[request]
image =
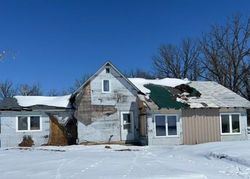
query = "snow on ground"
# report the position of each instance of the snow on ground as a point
(212, 160)
(170, 82)
(57, 101)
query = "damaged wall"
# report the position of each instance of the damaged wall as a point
(98, 113)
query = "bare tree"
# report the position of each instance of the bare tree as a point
(178, 61)
(139, 73)
(7, 89)
(29, 90)
(77, 84)
(226, 55)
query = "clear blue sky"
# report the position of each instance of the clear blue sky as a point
(57, 41)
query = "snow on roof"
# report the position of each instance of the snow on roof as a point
(56, 101)
(215, 95)
(170, 82)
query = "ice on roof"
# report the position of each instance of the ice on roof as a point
(55, 101)
(170, 82)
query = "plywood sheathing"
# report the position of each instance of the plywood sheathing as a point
(85, 112)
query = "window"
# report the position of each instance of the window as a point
(160, 125)
(28, 123)
(172, 127)
(127, 122)
(230, 123)
(166, 125)
(105, 86)
(107, 70)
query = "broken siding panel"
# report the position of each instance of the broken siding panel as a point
(104, 111)
(11, 138)
(200, 125)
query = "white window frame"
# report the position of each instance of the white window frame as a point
(230, 124)
(166, 123)
(103, 86)
(28, 118)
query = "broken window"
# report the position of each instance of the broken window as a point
(230, 123)
(105, 86)
(28, 123)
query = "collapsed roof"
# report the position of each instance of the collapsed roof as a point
(177, 93)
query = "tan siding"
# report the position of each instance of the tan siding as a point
(200, 126)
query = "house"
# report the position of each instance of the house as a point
(44, 120)
(106, 107)
(191, 112)
(110, 108)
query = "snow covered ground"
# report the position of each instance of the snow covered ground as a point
(212, 160)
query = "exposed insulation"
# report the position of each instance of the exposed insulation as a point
(58, 134)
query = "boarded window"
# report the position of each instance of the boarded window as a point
(160, 125)
(106, 86)
(22, 123)
(172, 125)
(34, 123)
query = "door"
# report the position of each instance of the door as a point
(127, 126)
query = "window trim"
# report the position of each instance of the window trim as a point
(230, 124)
(166, 123)
(103, 86)
(28, 118)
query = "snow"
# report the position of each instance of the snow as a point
(170, 82)
(212, 160)
(56, 101)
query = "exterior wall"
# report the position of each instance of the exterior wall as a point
(160, 140)
(200, 126)
(122, 96)
(243, 125)
(11, 138)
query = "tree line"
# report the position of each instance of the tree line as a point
(222, 54)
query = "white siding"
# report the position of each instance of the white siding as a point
(10, 138)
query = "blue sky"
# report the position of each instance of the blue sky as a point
(57, 41)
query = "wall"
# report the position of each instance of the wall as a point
(243, 124)
(156, 140)
(10, 138)
(200, 125)
(123, 97)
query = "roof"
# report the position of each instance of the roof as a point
(9, 104)
(54, 101)
(215, 95)
(108, 63)
(170, 82)
(163, 97)
(172, 92)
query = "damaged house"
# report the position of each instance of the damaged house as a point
(110, 108)
(36, 120)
